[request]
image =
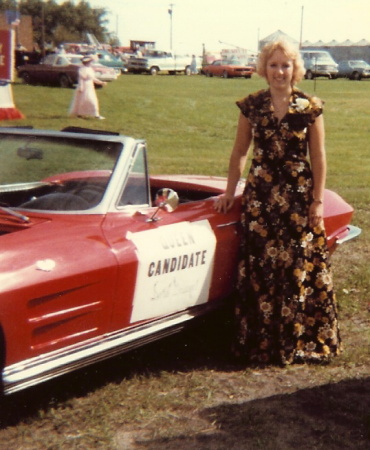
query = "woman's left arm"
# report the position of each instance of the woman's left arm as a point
(316, 144)
(99, 82)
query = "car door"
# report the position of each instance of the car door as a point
(60, 67)
(168, 261)
(44, 71)
(218, 68)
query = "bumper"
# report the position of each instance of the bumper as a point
(349, 233)
(353, 232)
(326, 73)
(241, 73)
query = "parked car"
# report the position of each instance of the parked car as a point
(319, 63)
(227, 69)
(98, 258)
(104, 73)
(61, 69)
(156, 61)
(354, 69)
(107, 59)
(53, 69)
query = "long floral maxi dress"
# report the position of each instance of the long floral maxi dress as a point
(286, 310)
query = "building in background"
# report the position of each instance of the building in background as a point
(342, 51)
(22, 25)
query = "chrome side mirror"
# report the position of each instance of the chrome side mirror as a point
(166, 199)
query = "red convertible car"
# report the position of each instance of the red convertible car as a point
(228, 69)
(98, 258)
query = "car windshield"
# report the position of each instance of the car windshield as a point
(54, 173)
(318, 56)
(74, 59)
(157, 54)
(233, 62)
(49, 59)
(359, 63)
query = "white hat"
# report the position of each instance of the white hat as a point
(86, 59)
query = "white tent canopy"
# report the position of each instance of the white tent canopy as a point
(275, 37)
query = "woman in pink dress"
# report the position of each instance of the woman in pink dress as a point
(85, 100)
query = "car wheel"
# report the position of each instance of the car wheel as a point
(26, 77)
(208, 74)
(154, 70)
(309, 75)
(187, 70)
(356, 76)
(64, 81)
(225, 74)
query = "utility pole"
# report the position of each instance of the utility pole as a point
(43, 29)
(300, 40)
(170, 11)
(118, 42)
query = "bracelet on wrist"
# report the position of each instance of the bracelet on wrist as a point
(317, 200)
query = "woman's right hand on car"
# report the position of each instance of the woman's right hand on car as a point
(224, 203)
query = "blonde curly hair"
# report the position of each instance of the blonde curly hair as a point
(289, 50)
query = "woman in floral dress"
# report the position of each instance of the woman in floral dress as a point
(286, 310)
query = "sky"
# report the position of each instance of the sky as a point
(234, 23)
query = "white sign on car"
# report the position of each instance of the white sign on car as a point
(175, 265)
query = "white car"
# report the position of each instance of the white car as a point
(104, 73)
(319, 63)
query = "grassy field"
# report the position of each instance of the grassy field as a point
(185, 392)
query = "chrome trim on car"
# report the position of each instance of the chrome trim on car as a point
(45, 367)
(353, 232)
(228, 224)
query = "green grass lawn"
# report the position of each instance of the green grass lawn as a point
(181, 393)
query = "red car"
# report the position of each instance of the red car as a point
(227, 69)
(98, 258)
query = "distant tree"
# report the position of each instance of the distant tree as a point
(8, 5)
(54, 24)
